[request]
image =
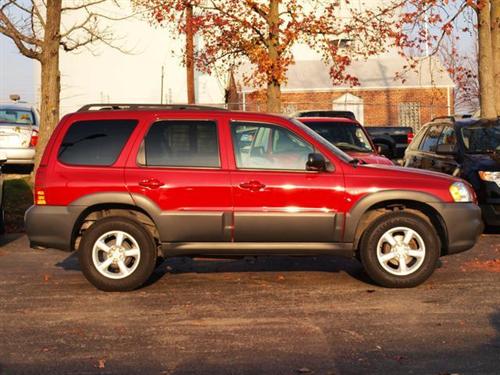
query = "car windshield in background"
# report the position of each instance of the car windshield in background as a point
(337, 151)
(346, 136)
(9, 116)
(482, 137)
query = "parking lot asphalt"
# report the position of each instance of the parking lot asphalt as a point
(283, 315)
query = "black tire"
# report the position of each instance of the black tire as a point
(374, 233)
(146, 264)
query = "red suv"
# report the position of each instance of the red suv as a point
(125, 184)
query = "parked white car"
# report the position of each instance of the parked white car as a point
(18, 132)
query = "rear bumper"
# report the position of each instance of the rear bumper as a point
(463, 224)
(51, 226)
(19, 155)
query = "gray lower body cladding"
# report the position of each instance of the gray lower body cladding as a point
(463, 224)
(51, 226)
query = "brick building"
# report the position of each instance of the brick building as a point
(380, 99)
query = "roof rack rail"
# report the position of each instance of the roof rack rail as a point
(134, 106)
(452, 117)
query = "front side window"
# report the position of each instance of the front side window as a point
(98, 142)
(431, 139)
(263, 146)
(482, 137)
(182, 143)
(348, 137)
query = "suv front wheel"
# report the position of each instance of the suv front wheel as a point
(117, 254)
(399, 250)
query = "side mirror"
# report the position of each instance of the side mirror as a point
(316, 162)
(3, 159)
(448, 149)
(383, 150)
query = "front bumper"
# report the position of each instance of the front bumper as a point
(463, 225)
(51, 226)
(491, 214)
(19, 155)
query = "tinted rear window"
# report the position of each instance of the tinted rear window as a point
(191, 143)
(9, 116)
(95, 142)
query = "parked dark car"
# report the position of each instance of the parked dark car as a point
(468, 148)
(127, 184)
(348, 135)
(392, 140)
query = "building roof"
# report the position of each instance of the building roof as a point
(380, 72)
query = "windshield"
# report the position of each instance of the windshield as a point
(9, 116)
(341, 154)
(346, 136)
(482, 137)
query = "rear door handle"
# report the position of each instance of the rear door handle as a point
(252, 185)
(151, 183)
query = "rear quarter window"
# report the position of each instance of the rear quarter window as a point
(418, 138)
(431, 139)
(96, 142)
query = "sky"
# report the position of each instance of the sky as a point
(16, 72)
(119, 81)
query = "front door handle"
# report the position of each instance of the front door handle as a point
(151, 183)
(252, 185)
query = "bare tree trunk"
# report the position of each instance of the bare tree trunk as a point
(486, 63)
(273, 97)
(190, 55)
(51, 85)
(495, 39)
(273, 84)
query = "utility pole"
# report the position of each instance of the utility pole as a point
(161, 85)
(190, 55)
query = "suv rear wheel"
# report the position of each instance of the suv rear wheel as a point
(117, 254)
(399, 250)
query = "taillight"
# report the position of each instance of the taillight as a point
(40, 197)
(409, 138)
(34, 138)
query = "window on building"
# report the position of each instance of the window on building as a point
(179, 143)
(409, 115)
(95, 142)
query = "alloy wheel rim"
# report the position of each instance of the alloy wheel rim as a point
(116, 254)
(401, 251)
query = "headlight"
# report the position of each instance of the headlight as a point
(490, 176)
(460, 193)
